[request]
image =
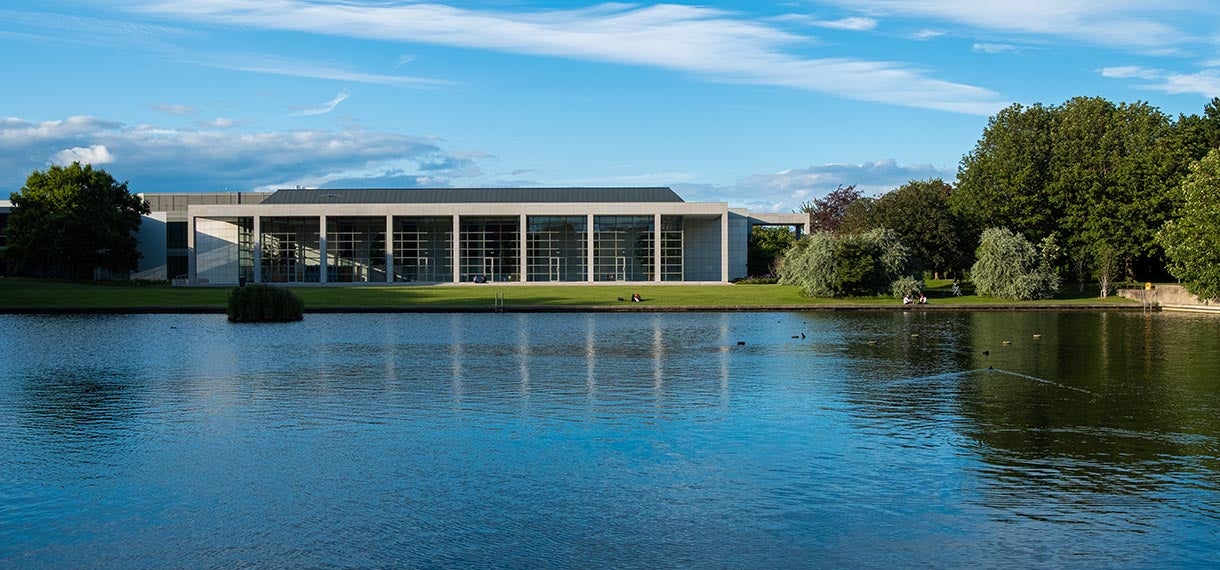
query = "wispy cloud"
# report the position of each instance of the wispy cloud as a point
(275, 65)
(854, 24)
(159, 158)
(220, 123)
(711, 43)
(995, 48)
(324, 107)
(1134, 24)
(404, 59)
(173, 109)
(1205, 82)
(927, 34)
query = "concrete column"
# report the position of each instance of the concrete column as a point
(457, 248)
(322, 248)
(258, 249)
(190, 250)
(389, 248)
(589, 252)
(724, 247)
(524, 257)
(656, 247)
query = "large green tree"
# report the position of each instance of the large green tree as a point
(1192, 242)
(70, 220)
(1003, 180)
(1114, 171)
(1097, 175)
(919, 213)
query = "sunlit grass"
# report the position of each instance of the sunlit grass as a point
(33, 293)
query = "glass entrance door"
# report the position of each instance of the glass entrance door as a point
(423, 269)
(555, 270)
(620, 268)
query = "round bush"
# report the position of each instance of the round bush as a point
(264, 304)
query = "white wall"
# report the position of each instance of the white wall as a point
(151, 242)
(215, 252)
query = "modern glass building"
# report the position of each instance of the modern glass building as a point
(450, 235)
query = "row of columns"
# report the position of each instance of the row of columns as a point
(457, 264)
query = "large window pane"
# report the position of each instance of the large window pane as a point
(558, 248)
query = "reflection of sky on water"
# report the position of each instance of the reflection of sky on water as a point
(626, 439)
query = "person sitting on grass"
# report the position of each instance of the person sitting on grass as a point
(906, 300)
(923, 299)
(636, 298)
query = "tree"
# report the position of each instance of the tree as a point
(826, 265)
(1009, 267)
(1192, 242)
(1114, 171)
(70, 220)
(1099, 175)
(826, 213)
(1003, 180)
(919, 212)
(766, 245)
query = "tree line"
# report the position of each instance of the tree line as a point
(1103, 191)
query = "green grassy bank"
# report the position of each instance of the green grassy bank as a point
(16, 293)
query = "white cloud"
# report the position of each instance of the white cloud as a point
(710, 43)
(163, 159)
(995, 48)
(1205, 82)
(93, 154)
(926, 34)
(1132, 24)
(1130, 72)
(221, 123)
(325, 107)
(854, 24)
(275, 65)
(786, 190)
(174, 109)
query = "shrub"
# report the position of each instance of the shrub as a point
(825, 265)
(1009, 267)
(760, 280)
(264, 304)
(907, 286)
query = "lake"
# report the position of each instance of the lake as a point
(876, 439)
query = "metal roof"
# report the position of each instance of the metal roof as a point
(468, 195)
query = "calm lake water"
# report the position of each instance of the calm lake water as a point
(611, 440)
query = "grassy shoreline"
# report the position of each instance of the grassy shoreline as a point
(35, 295)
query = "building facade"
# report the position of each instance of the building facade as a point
(446, 235)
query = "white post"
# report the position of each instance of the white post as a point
(457, 248)
(589, 239)
(724, 246)
(322, 248)
(190, 250)
(656, 247)
(389, 248)
(524, 253)
(258, 248)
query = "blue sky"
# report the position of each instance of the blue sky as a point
(760, 104)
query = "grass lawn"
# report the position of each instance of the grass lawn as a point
(32, 293)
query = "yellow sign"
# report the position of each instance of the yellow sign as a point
(1147, 286)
